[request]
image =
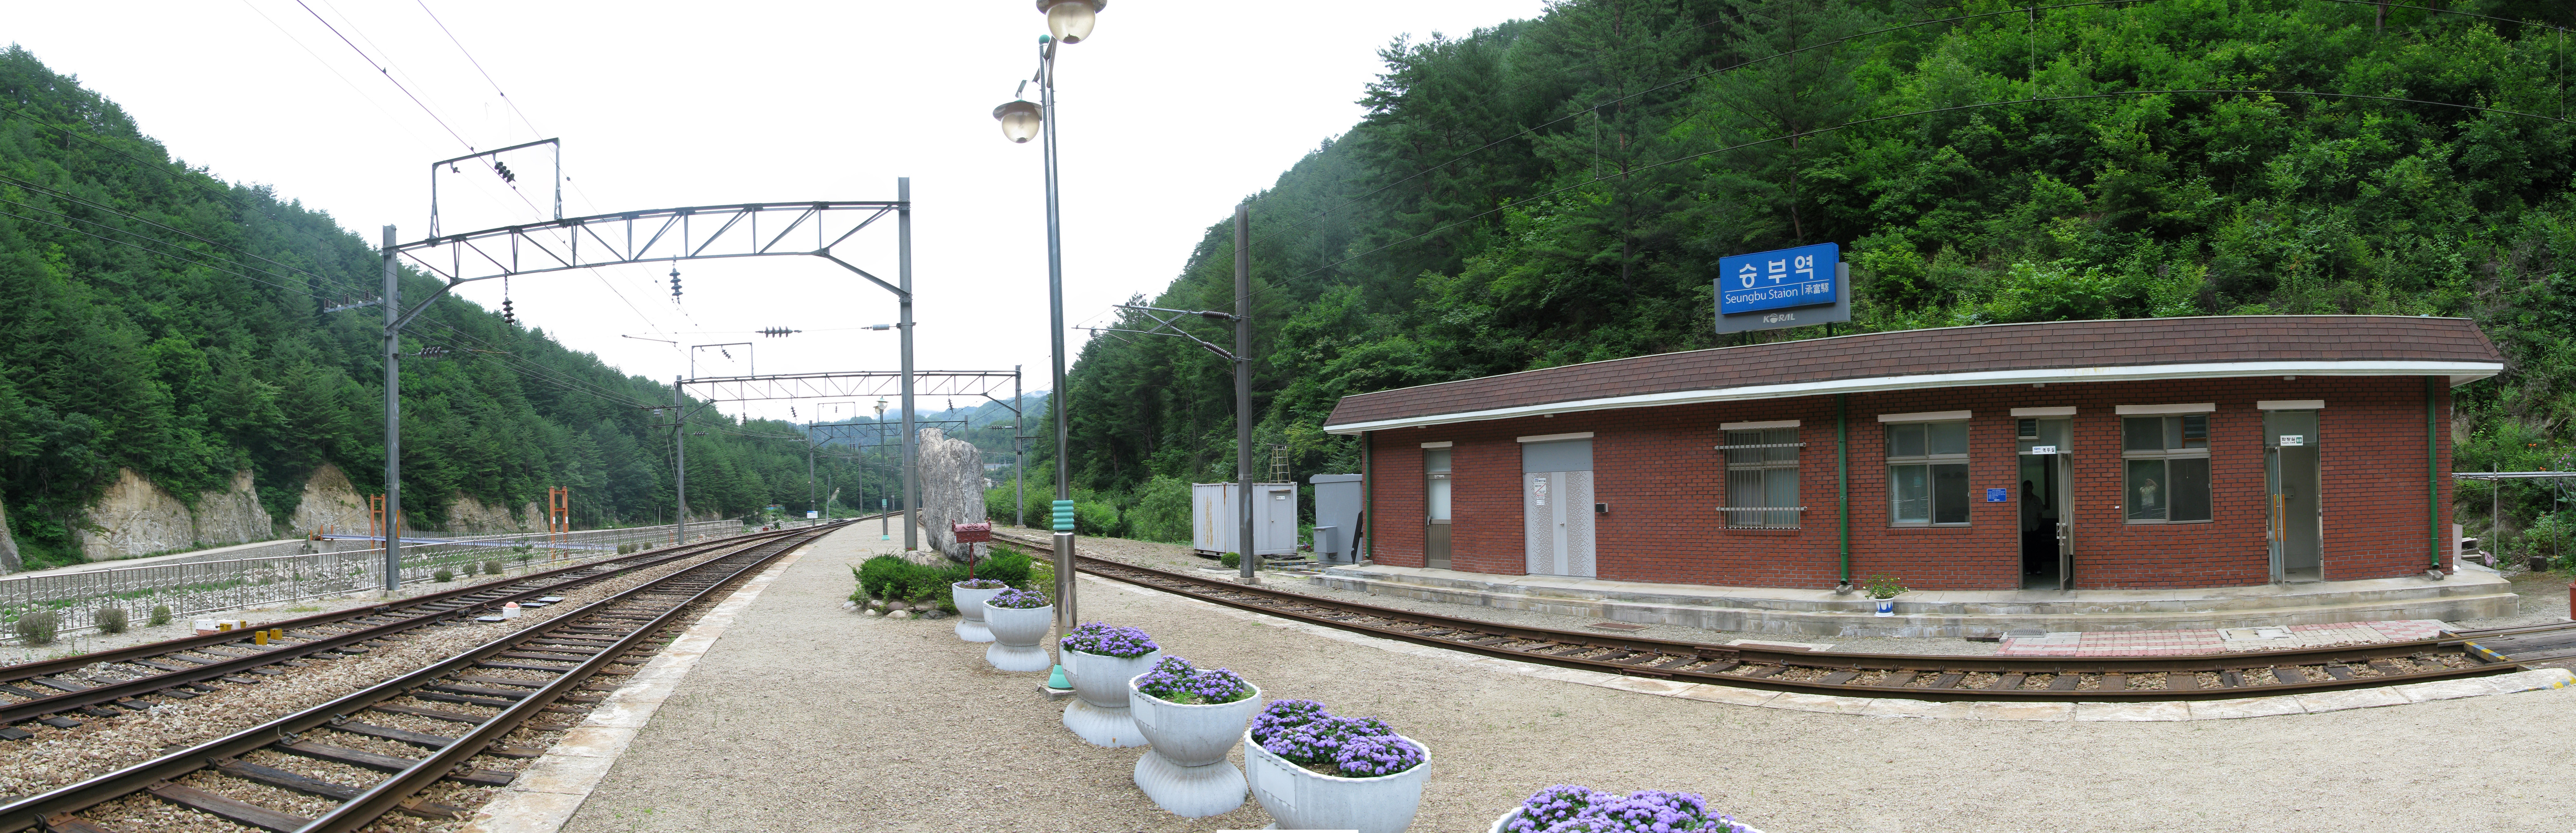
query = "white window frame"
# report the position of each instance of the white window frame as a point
(2167, 455)
(1749, 437)
(1927, 461)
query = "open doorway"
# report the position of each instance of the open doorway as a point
(2297, 514)
(2045, 498)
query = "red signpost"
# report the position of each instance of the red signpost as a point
(970, 535)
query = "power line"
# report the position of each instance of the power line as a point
(389, 76)
(478, 67)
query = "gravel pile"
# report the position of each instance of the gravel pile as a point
(56, 757)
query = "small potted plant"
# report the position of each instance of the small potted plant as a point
(1570, 807)
(1882, 591)
(1099, 659)
(1019, 620)
(1313, 770)
(969, 596)
(1192, 718)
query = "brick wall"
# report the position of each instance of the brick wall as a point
(1660, 473)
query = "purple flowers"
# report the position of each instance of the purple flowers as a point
(1107, 640)
(1176, 680)
(979, 584)
(1354, 747)
(1567, 808)
(1017, 599)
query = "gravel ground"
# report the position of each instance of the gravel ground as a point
(806, 717)
(1178, 557)
(55, 757)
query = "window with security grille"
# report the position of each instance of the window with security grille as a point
(1927, 473)
(2165, 463)
(1762, 479)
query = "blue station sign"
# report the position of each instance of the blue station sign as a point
(1778, 279)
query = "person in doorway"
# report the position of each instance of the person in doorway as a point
(2038, 529)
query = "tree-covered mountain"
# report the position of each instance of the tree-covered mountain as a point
(1559, 190)
(155, 318)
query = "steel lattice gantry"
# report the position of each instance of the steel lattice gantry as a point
(811, 229)
(855, 384)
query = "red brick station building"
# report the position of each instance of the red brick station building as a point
(2155, 466)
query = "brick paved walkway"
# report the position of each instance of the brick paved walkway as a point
(2185, 642)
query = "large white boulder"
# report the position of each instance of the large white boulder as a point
(952, 488)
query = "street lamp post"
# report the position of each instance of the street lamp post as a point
(1068, 21)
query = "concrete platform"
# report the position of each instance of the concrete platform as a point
(2470, 594)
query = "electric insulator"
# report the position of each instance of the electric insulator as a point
(675, 283)
(779, 332)
(504, 169)
(508, 316)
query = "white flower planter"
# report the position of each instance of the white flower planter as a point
(1016, 637)
(1186, 772)
(1099, 714)
(1512, 813)
(1883, 607)
(1304, 800)
(970, 611)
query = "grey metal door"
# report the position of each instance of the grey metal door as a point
(2297, 510)
(1557, 520)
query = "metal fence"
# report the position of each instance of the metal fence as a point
(192, 587)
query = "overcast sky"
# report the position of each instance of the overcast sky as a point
(1171, 113)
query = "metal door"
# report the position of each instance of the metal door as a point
(2295, 526)
(1557, 522)
(2065, 462)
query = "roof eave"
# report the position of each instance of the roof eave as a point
(2460, 373)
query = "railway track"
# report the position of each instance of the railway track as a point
(529, 679)
(1916, 677)
(132, 679)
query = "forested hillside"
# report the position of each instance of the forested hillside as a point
(1560, 190)
(155, 318)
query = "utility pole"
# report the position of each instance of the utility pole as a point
(680, 458)
(911, 473)
(809, 473)
(1019, 455)
(392, 302)
(1243, 385)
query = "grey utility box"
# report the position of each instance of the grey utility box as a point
(1338, 498)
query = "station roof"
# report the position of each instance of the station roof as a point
(2057, 351)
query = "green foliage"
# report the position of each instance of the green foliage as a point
(491, 568)
(214, 356)
(160, 615)
(1882, 586)
(1559, 190)
(1005, 565)
(1230, 560)
(111, 619)
(1096, 517)
(442, 576)
(37, 627)
(1162, 510)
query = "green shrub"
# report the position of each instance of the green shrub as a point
(881, 577)
(38, 627)
(1162, 510)
(160, 615)
(492, 568)
(1096, 518)
(111, 619)
(1230, 560)
(442, 576)
(1005, 565)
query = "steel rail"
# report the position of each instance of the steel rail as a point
(383, 798)
(273, 653)
(1705, 663)
(52, 810)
